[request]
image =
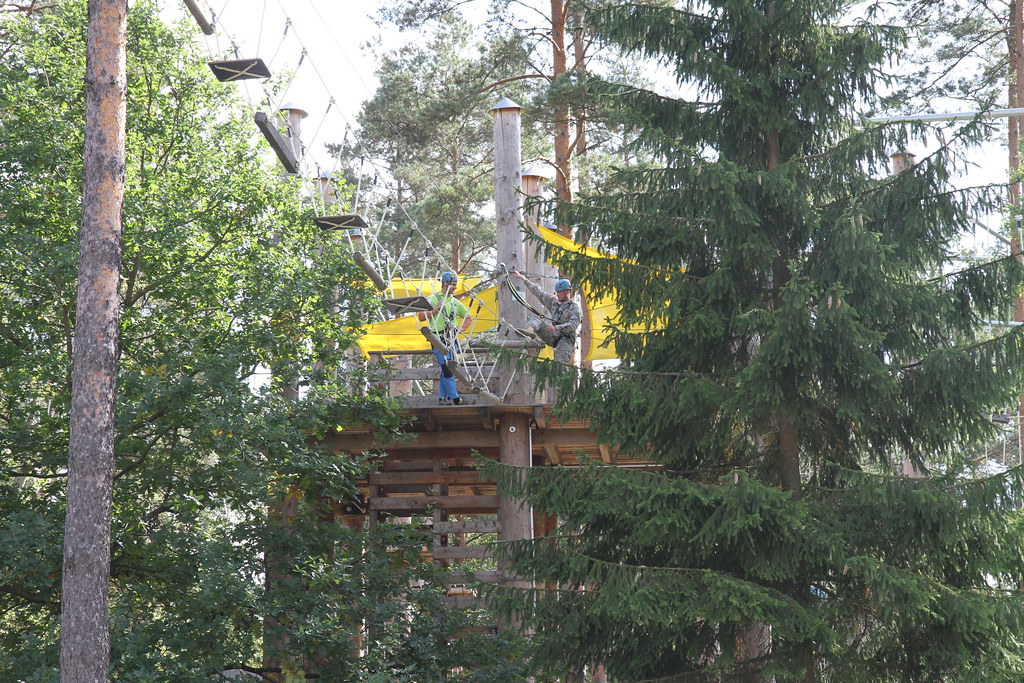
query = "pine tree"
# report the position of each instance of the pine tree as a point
(804, 330)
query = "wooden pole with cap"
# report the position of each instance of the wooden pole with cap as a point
(514, 516)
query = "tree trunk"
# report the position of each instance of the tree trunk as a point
(563, 163)
(1015, 96)
(579, 46)
(85, 637)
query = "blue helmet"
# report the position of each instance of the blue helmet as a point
(448, 277)
(562, 285)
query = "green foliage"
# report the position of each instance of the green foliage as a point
(794, 327)
(224, 276)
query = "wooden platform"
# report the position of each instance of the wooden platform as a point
(429, 477)
(453, 432)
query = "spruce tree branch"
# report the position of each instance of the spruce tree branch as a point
(619, 566)
(975, 267)
(959, 485)
(1014, 332)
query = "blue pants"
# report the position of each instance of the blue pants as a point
(446, 387)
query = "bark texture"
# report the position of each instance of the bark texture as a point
(85, 638)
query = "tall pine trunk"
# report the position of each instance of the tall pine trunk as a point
(85, 637)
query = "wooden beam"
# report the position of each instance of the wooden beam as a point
(353, 443)
(606, 453)
(448, 477)
(410, 504)
(281, 147)
(540, 417)
(197, 14)
(371, 272)
(428, 440)
(415, 402)
(425, 418)
(553, 455)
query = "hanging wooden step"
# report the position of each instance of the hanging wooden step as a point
(346, 222)
(239, 69)
(405, 305)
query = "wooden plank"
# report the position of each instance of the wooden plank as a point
(540, 417)
(460, 552)
(606, 454)
(449, 477)
(281, 146)
(553, 455)
(569, 438)
(468, 400)
(574, 437)
(424, 502)
(197, 14)
(468, 526)
(405, 466)
(364, 442)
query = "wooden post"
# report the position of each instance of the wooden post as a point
(509, 218)
(85, 631)
(291, 116)
(901, 161)
(537, 269)
(515, 519)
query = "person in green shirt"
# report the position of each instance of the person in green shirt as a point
(447, 319)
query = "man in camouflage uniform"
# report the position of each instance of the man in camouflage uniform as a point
(559, 329)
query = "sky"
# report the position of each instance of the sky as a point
(330, 48)
(322, 43)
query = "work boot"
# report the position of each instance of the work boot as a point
(457, 401)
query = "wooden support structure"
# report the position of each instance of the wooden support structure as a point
(431, 476)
